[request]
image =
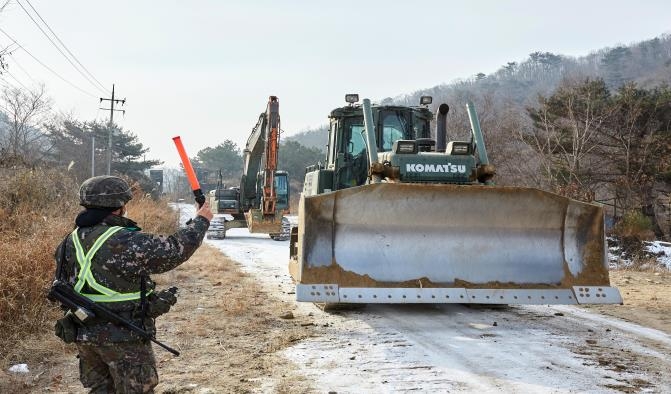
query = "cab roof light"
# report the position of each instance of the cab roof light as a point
(352, 98)
(404, 147)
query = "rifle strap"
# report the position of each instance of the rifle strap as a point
(143, 299)
(59, 264)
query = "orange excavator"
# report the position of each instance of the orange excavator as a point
(262, 199)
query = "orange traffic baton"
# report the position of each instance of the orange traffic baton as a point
(190, 173)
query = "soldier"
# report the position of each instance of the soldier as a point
(108, 259)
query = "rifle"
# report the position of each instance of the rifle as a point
(85, 309)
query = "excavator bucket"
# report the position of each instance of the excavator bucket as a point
(442, 243)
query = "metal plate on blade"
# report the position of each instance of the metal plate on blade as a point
(381, 295)
(317, 293)
(597, 295)
(332, 293)
(521, 296)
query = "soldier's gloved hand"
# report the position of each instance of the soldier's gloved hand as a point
(205, 212)
(162, 302)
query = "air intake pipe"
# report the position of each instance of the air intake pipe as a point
(376, 168)
(441, 127)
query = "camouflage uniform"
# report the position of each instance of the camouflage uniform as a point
(112, 358)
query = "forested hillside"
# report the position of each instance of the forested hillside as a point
(518, 84)
(594, 128)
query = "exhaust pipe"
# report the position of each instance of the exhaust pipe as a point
(477, 133)
(441, 127)
(371, 145)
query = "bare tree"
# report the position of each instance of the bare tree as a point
(21, 138)
(566, 133)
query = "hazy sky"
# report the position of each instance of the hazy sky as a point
(204, 69)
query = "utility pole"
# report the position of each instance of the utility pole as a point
(93, 155)
(111, 123)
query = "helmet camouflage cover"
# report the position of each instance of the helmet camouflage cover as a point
(104, 192)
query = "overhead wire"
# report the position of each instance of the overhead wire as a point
(17, 64)
(8, 49)
(5, 84)
(47, 67)
(16, 79)
(8, 84)
(88, 79)
(67, 49)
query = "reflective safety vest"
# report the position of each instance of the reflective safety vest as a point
(85, 276)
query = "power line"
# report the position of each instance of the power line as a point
(68, 50)
(111, 124)
(19, 82)
(16, 63)
(7, 84)
(8, 49)
(88, 79)
(47, 67)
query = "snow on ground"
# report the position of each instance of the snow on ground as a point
(441, 348)
(19, 368)
(658, 249)
(662, 250)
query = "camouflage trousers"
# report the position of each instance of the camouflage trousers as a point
(124, 367)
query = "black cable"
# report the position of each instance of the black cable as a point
(17, 80)
(16, 63)
(66, 48)
(47, 67)
(88, 79)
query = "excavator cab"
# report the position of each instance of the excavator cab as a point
(282, 191)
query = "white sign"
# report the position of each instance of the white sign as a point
(449, 168)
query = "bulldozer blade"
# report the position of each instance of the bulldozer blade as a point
(392, 243)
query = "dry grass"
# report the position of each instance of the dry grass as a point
(37, 209)
(152, 216)
(226, 326)
(35, 204)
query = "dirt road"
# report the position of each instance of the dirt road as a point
(463, 349)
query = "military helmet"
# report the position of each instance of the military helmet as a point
(104, 192)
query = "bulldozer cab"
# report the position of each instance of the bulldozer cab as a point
(347, 153)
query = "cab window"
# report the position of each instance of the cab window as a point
(394, 127)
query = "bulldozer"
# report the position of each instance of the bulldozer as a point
(261, 201)
(397, 216)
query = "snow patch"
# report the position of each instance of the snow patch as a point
(662, 250)
(19, 368)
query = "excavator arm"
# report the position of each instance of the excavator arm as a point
(272, 130)
(260, 160)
